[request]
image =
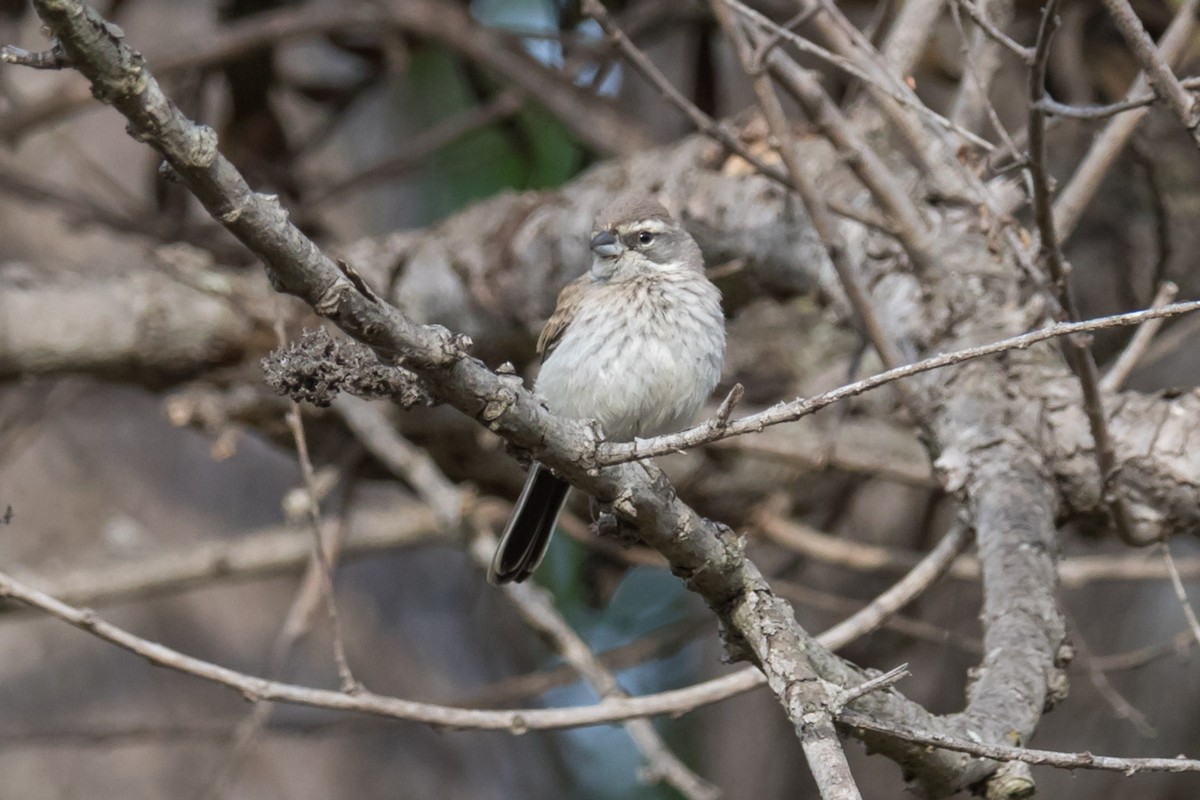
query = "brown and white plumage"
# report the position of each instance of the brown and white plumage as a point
(636, 343)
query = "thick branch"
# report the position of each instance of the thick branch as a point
(148, 327)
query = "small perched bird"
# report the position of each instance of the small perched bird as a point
(636, 343)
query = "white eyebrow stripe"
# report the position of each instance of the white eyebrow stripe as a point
(650, 225)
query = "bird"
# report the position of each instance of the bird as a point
(636, 343)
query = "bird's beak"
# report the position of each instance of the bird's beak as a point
(606, 245)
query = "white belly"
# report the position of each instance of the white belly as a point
(643, 370)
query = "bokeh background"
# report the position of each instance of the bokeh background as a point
(363, 133)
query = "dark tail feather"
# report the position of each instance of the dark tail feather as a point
(529, 529)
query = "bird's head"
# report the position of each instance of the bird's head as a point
(636, 236)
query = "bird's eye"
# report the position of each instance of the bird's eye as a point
(645, 237)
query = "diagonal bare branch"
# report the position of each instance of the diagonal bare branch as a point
(1155, 66)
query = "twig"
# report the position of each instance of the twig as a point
(1000, 37)
(1180, 644)
(536, 607)
(1180, 592)
(1084, 183)
(911, 228)
(884, 681)
(898, 93)
(256, 688)
(309, 596)
(621, 452)
(1164, 241)
(1155, 66)
(775, 39)
(1051, 106)
(320, 553)
(406, 461)
(53, 59)
(721, 417)
(858, 57)
(1118, 373)
(936, 563)
(609, 710)
(982, 57)
(1121, 708)
(1078, 354)
(1049, 758)
(271, 551)
(818, 212)
(703, 122)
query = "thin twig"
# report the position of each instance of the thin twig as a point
(982, 58)
(936, 563)
(1084, 183)
(1051, 106)
(1000, 37)
(911, 228)
(308, 598)
(1049, 758)
(519, 721)
(257, 688)
(703, 122)
(923, 129)
(1180, 592)
(818, 212)
(536, 607)
(884, 681)
(1155, 66)
(1119, 372)
(729, 404)
(1078, 353)
(775, 39)
(1121, 708)
(609, 710)
(705, 432)
(52, 59)
(321, 555)
(1155, 170)
(1178, 644)
(900, 94)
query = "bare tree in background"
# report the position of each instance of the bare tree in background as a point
(949, 234)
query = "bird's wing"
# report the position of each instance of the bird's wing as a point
(565, 311)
